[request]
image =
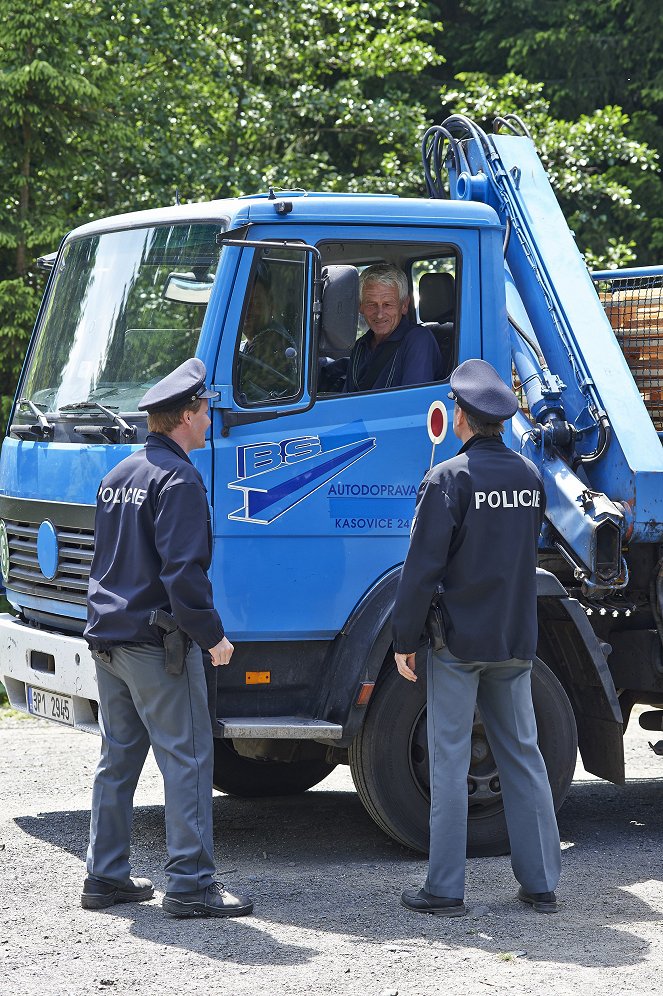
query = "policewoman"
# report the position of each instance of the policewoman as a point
(474, 540)
(150, 611)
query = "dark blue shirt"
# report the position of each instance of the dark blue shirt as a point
(475, 532)
(413, 359)
(153, 548)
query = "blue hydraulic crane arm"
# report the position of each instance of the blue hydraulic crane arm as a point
(579, 387)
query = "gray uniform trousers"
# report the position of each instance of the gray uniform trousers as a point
(503, 694)
(141, 705)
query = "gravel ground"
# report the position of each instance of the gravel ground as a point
(326, 884)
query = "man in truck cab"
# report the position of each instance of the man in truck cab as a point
(394, 352)
(153, 548)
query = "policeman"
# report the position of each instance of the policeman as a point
(474, 544)
(153, 545)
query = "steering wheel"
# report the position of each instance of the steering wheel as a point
(261, 365)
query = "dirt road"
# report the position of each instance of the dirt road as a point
(326, 884)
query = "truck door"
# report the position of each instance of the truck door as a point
(314, 494)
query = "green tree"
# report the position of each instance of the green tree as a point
(590, 161)
(230, 98)
(47, 104)
(589, 56)
(110, 105)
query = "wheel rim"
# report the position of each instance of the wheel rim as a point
(483, 784)
(418, 755)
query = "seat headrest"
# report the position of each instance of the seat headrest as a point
(437, 297)
(340, 309)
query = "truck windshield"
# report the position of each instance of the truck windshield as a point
(125, 308)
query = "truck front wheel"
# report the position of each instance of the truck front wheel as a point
(389, 761)
(254, 777)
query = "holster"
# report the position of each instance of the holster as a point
(436, 630)
(176, 645)
(175, 641)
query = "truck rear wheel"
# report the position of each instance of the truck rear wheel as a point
(389, 762)
(253, 777)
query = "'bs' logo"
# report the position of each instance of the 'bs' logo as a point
(259, 457)
(275, 476)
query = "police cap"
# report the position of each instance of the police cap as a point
(479, 390)
(185, 383)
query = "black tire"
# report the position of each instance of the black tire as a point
(389, 762)
(254, 778)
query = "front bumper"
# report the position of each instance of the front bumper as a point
(53, 661)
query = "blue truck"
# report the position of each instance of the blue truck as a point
(312, 489)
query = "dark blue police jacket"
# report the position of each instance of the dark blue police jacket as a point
(414, 358)
(153, 548)
(475, 531)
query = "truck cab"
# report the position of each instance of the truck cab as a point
(312, 488)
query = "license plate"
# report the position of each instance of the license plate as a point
(50, 705)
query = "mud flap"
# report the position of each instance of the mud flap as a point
(572, 650)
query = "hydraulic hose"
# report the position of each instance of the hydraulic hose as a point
(605, 435)
(513, 123)
(530, 342)
(432, 147)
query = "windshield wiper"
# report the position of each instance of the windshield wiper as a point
(119, 432)
(42, 430)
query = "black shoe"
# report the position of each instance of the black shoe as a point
(542, 902)
(212, 901)
(97, 895)
(420, 901)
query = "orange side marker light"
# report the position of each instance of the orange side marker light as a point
(258, 677)
(365, 692)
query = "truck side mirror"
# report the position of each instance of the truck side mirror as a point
(340, 310)
(186, 288)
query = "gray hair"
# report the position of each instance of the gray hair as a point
(387, 274)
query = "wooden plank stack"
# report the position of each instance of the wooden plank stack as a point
(636, 316)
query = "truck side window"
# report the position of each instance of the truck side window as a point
(271, 339)
(434, 285)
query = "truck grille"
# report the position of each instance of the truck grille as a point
(73, 573)
(634, 306)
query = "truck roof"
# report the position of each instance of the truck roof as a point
(383, 209)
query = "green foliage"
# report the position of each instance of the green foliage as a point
(590, 161)
(588, 56)
(46, 99)
(110, 105)
(19, 301)
(288, 93)
(48, 104)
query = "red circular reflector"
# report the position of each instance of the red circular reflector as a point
(437, 422)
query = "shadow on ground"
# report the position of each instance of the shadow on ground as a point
(317, 862)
